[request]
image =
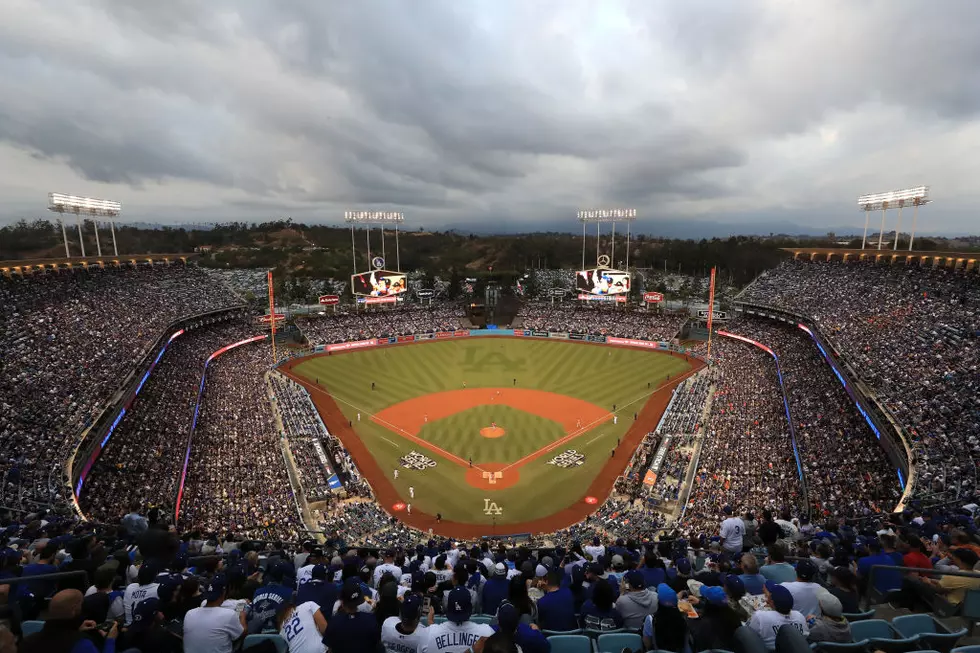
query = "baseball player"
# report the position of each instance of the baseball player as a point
(408, 508)
(396, 474)
(358, 417)
(615, 419)
(411, 492)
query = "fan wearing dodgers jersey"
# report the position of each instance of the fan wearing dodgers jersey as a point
(388, 566)
(302, 627)
(305, 573)
(458, 634)
(732, 530)
(405, 634)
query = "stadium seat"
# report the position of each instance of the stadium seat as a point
(555, 633)
(927, 630)
(970, 608)
(859, 616)
(881, 636)
(840, 647)
(616, 642)
(481, 619)
(570, 644)
(31, 627)
(594, 634)
(967, 649)
(255, 640)
(440, 619)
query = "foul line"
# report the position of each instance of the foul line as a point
(397, 429)
(574, 434)
(394, 444)
(594, 439)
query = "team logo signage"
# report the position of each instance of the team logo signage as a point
(653, 297)
(415, 460)
(329, 300)
(491, 508)
(425, 293)
(378, 263)
(567, 459)
(559, 292)
(719, 316)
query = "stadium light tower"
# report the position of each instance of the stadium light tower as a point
(85, 206)
(598, 216)
(915, 197)
(368, 218)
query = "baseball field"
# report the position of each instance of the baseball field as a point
(495, 435)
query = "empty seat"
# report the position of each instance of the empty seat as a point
(570, 644)
(928, 631)
(278, 642)
(616, 642)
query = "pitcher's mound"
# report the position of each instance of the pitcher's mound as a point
(492, 432)
(490, 477)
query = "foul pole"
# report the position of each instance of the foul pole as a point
(272, 317)
(711, 309)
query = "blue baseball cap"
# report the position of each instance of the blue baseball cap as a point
(144, 613)
(735, 586)
(666, 595)
(635, 579)
(714, 594)
(782, 600)
(459, 605)
(508, 617)
(683, 565)
(216, 587)
(411, 607)
(351, 592)
(319, 572)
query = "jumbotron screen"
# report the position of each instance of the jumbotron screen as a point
(379, 283)
(602, 281)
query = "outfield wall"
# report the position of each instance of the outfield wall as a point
(516, 333)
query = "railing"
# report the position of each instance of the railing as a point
(866, 594)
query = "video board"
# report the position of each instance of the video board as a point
(379, 283)
(602, 281)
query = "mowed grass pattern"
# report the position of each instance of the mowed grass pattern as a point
(460, 434)
(601, 375)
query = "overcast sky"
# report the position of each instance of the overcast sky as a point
(477, 112)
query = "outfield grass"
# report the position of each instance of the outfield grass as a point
(603, 376)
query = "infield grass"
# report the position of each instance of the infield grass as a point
(604, 376)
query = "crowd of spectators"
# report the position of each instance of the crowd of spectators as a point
(576, 317)
(911, 333)
(305, 432)
(68, 339)
(747, 456)
(847, 473)
(236, 477)
(145, 455)
(377, 322)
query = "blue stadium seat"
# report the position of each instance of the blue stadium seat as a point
(967, 649)
(928, 631)
(616, 642)
(594, 634)
(859, 616)
(31, 627)
(838, 647)
(570, 644)
(555, 633)
(881, 636)
(481, 619)
(254, 640)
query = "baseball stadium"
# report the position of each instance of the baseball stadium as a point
(489, 327)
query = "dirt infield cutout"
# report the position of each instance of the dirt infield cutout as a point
(489, 476)
(492, 432)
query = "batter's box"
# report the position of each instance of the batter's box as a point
(492, 477)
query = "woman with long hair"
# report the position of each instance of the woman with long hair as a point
(387, 605)
(518, 597)
(599, 612)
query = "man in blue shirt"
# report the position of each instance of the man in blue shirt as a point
(351, 631)
(43, 588)
(754, 581)
(268, 600)
(320, 590)
(885, 579)
(527, 637)
(556, 609)
(495, 589)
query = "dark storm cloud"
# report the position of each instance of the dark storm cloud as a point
(460, 110)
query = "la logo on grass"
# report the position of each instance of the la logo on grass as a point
(491, 508)
(481, 361)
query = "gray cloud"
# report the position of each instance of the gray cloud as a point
(461, 112)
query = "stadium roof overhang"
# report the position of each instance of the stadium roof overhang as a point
(968, 260)
(31, 265)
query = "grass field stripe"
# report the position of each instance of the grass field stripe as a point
(571, 436)
(594, 439)
(394, 444)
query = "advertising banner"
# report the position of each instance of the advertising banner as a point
(321, 455)
(653, 297)
(603, 298)
(329, 300)
(444, 334)
(425, 293)
(392, 340)
(658, 458)
(629, 342)
(539, 334)
(495, 332)
(577, 336)
(357, 344)
(424, 336)
(559, 336)
(650, 477)
(558, 292)
(462, 333)
(597, 338)
(377, 300)
(405, 339)
(265, 319)
(319, 349)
